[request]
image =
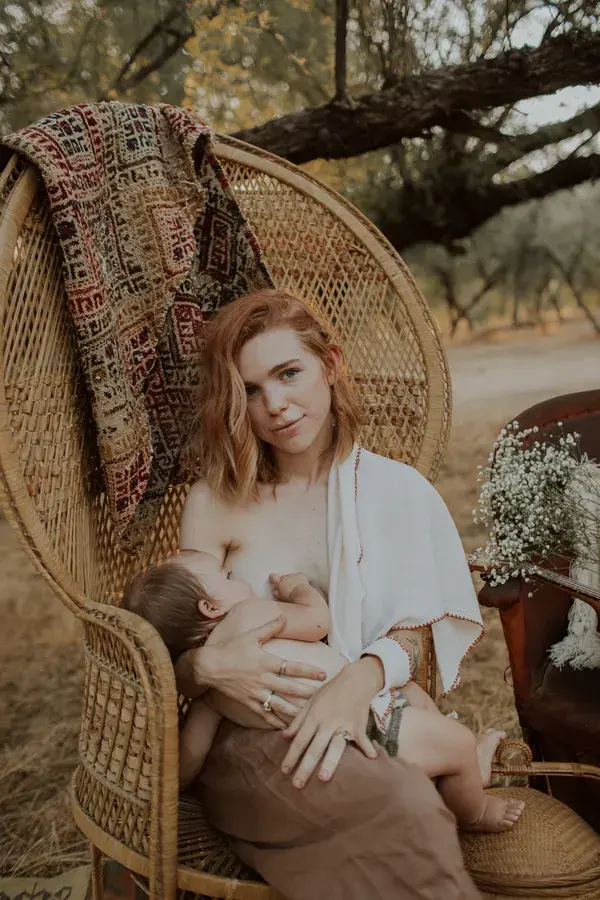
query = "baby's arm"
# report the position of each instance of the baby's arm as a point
(304, 607)
(195, 740)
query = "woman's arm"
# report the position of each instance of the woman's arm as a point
(342, 706)
(241, 669)
(411, 641)
(402, 646)
(400, 652)
(338, 713)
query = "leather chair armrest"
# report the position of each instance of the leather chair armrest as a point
(501, 596)
(533, 618)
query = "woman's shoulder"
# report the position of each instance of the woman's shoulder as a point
(204, 520)
(200, 493)
(384, 483)
(387, 473)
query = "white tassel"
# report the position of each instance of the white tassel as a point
(581, 647)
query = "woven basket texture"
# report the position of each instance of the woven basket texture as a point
(550, 853)
(125, 792)
(315, 244)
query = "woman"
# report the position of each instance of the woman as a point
(285, 488)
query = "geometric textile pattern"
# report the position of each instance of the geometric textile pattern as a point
(151, 238)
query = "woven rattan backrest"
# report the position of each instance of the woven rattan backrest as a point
(314, 244)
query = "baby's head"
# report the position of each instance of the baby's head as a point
(184, 597)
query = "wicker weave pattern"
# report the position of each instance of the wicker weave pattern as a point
(47, 406)
(125, 790)
(552, 853)
(380, 322)
(126, 782)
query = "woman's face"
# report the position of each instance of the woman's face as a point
(288, 390)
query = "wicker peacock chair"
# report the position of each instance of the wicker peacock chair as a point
(125, 791)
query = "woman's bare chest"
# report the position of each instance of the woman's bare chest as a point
(283, 536)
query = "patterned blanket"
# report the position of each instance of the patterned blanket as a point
(152, 238)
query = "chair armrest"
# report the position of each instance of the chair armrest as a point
(534, 616)
(501, 596)
(528, 767)
(127, 782)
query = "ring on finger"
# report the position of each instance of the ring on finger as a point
(282, 667)
(267, 704)
(345, 734)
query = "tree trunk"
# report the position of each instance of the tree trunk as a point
(341, 24)
(420, 102)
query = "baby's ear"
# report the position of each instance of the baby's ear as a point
(209, 608)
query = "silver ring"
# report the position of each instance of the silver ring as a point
(267, 704)
(346, 735)
(282, 667)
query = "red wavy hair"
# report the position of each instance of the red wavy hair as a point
(223, 448)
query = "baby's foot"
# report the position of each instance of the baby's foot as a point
(498, 814)
(487, 744)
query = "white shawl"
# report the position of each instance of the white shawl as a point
(396, 561)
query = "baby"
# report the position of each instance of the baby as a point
(191, 600)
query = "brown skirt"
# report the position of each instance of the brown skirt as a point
(377, 831)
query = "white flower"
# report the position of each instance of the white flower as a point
(527, 503)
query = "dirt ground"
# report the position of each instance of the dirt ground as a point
(40, 650)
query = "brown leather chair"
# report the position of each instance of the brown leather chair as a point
(559, 709)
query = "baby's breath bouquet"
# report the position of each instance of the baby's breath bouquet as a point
(531, 502)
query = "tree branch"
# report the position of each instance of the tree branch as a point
(568, 273)
(415, 218)
(175, 39)
(513, 148)
(564, 174)
(417, 103)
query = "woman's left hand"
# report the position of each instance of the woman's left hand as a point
(336, 714)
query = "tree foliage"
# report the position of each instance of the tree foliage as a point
(54, 53)
(411, 107)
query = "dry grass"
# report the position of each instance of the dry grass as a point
(485, 697)
(41, 672)
(41, 680)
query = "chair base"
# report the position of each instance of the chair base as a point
(238, 886)
(97, 873)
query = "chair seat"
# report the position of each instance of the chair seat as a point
(206, 863)
(564, 707)
(550, 853)
(202, 851)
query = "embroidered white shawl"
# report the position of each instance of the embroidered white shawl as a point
(396, 561)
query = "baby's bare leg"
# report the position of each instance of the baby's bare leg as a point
(195, 740)
(443, 747)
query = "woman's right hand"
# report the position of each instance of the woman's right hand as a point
(241, 669)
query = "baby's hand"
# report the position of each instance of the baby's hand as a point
(284, 585)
